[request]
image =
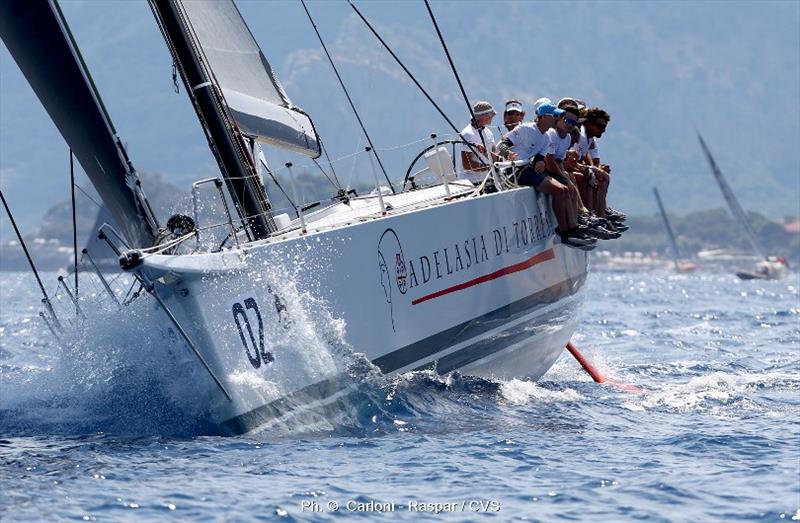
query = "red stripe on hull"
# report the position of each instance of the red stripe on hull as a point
(543, 256)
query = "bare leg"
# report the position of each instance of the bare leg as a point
(574, 177)
(587, 194)
(600, 193)
(561, 202)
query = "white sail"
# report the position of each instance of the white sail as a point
(252, 92)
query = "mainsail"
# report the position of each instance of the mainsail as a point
(38, 38)
(252, 92)
(733, 204)
(236, 96)
(670, 235)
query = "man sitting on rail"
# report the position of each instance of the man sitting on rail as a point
(474, 167)
(596, 121)
(560, 142)
(532, 142)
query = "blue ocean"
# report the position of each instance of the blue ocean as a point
(95, 431)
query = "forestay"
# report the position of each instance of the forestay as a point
(255, 97)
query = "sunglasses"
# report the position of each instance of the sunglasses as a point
(570, 122)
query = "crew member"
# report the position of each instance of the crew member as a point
(532, 143)
(474, 167)
(513, 115)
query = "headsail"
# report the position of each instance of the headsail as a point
(39, 39)
(670, 235)
(733, 204)
(252, 92)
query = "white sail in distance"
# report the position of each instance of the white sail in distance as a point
(254, 96)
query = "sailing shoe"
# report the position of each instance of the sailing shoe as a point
(615, 220)
(571, 242)
(614, 226)
(616, 215)
(586, 219)
(601, 233)
(578, 236)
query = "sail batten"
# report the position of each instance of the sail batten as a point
(252, 92)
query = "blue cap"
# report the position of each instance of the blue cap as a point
(549, 109)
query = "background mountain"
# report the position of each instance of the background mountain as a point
(662, 69)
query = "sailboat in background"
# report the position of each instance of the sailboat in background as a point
(443, 276)
(679, 267)
(769, 267)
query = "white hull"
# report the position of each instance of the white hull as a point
(481, 285)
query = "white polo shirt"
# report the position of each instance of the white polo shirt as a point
(528, 141)
(471, 135)
(586, 145)
(594, 152)
(558, 146)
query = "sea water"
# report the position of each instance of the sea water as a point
(94, 430)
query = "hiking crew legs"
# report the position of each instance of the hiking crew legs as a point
(586, 190)
(603, 180)
(564, 197)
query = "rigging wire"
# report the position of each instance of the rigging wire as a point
(274, 179)
(46, 299)
(347, 94)
(74, 220)
(458, 78)
(449, 59)
(81, 189)
(325, 151)
(324, 173)
(413, 79)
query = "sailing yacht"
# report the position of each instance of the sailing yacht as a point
(768, 267)
(442, 276)
(676, 254)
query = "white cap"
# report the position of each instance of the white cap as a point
(513, 105)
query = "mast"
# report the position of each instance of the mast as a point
(673, 244)
(38, 38)
(733, 204)
(224, 137)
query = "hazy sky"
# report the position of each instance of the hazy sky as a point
(731, 69)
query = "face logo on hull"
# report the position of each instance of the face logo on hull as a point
(393, 275)
(400, 268)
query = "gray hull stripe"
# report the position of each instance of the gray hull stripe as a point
(488, 346)
(419, 351)
(475, 327)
